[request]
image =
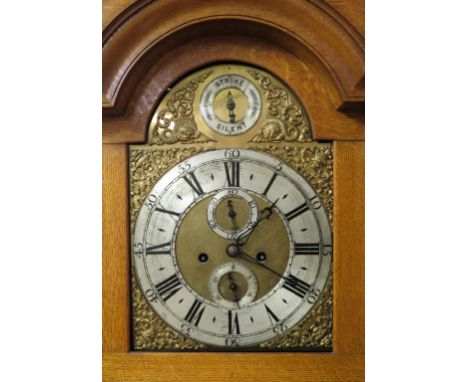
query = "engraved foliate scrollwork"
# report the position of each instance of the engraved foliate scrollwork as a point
(175, 122)
(285, 118)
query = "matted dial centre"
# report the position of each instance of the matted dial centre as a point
(199, 235)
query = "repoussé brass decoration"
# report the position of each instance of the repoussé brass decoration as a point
(285, 119)
(175, 122)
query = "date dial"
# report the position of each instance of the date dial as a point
(233, 285)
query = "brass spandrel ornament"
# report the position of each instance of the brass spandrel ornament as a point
(230, 210)
(285, 118)
(174, 120)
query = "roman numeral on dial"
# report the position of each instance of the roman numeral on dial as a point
(297, 211)
(195, 312)
(273, 318)
(169, 287)
(194, 183)
(296, 286)
(270, 183)
(232, 169)
(161, 249)
(233, 323)
(306, 248)
(164, 211)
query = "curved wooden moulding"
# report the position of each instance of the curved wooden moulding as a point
(309, 45)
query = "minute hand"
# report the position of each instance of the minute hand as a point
(264, 214)
(247, 257)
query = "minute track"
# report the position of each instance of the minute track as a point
(180, 302)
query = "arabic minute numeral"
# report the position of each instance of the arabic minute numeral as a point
(280, 328)
(315, 203)
(232, 153)
(327, 250)
(231, 341)
(313, 296)
(138, 249)
(184, 167)
(150, 201)
(186, 329)
(151, 295)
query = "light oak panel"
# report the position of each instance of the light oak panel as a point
(312, 30)
(115, 260)
(307, 83)
(245, 367)
(352, 10)
(348, 317)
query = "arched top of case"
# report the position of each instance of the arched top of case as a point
(307, 44)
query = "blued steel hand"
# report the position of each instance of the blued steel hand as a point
(264, 214)
(231, 105)
(245, 256)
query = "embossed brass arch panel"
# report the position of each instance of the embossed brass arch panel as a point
(177, 117)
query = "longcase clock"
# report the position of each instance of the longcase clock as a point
(233, 193)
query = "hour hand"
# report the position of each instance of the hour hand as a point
(265, 213)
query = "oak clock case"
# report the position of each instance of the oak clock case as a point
(230, 201)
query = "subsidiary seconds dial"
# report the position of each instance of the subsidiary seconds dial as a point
(232, 247)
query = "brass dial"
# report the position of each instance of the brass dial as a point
(270, 242)
(251, 285)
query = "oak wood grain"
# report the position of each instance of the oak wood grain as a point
(309, 83)
(312, 48)
(115, 259)
(348, 188)
(245, 367)
(111, 9)
(352, 10)
(312, 30)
